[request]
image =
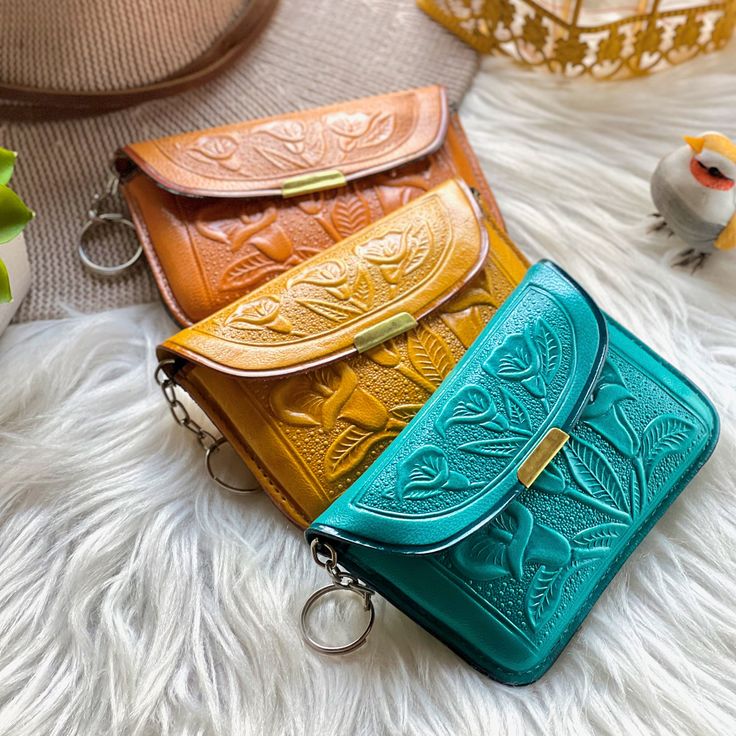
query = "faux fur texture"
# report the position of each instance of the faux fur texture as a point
(138, 599)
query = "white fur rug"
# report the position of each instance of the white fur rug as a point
(138, 599)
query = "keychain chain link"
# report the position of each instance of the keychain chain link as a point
(326, 557)
(180, 413)
(207, 441)
(339, 576)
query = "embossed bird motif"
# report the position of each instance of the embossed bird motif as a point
(693, 189)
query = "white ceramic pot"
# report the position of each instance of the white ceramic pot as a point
(15, 257)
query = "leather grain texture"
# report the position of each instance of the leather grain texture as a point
(441, 526)
(207, 251)
(308, 434)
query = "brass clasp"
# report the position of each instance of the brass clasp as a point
(314, 182)
(541, 456)
(385, 330)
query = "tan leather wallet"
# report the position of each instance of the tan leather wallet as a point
(219, 212)
(310, 376)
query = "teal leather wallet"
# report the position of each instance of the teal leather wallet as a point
(500, 513)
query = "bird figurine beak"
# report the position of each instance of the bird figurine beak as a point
(696, 143)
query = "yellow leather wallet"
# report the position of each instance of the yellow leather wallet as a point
(219, 212)
(310, 376)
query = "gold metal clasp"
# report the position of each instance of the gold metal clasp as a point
(541, 456)
(391, 327)
(315, 182)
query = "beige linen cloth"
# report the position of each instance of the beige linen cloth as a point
(311, 53)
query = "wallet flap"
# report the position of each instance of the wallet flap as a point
(460, 461)
(297, 152)
(351, 297)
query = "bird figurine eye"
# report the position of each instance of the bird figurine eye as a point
(714, 171)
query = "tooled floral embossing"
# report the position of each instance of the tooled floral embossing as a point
(302, 144)
(342, 291)
(216, 148)
(583, 472)
(508, 543)
(399, 186)
(422, 356)
(360, 129)
(341, 215)
(605, 411)
(398, 254)
(467, 313)
(531, 357)
(260, 314)
(269, 248)
(352, 289)
(426, 474)
(293, 145)
(323, 397)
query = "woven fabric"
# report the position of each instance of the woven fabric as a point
(310, 54)
(74, 45)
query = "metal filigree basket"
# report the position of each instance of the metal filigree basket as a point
(603, 38)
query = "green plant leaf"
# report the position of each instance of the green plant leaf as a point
(6, 295)
(14, 215)
(7, 163)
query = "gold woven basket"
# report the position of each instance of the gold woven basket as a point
(603, 38)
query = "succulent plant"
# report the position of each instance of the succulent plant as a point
(14, 216)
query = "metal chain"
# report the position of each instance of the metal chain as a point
(207, 441)
(181, 416)
(326, 556)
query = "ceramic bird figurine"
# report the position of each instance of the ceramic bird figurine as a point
(694, 193)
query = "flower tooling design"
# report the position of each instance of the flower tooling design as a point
(360, 129)
(339, 216)
(325, 396)
(398, 254)
(352, 292)
(466, 315)
(400, 186)
(422, 356)
(269, 249)
(260, 314)
(340, 291)
(290, 145)
(531, 357)
(510, 542)
(587, 472)
(425, 474)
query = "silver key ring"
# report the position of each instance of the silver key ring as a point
(351, 587)
(96, 268)
(210, 452)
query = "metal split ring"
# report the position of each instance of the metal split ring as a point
(353, 587)
(110, 218)
(211, 450)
